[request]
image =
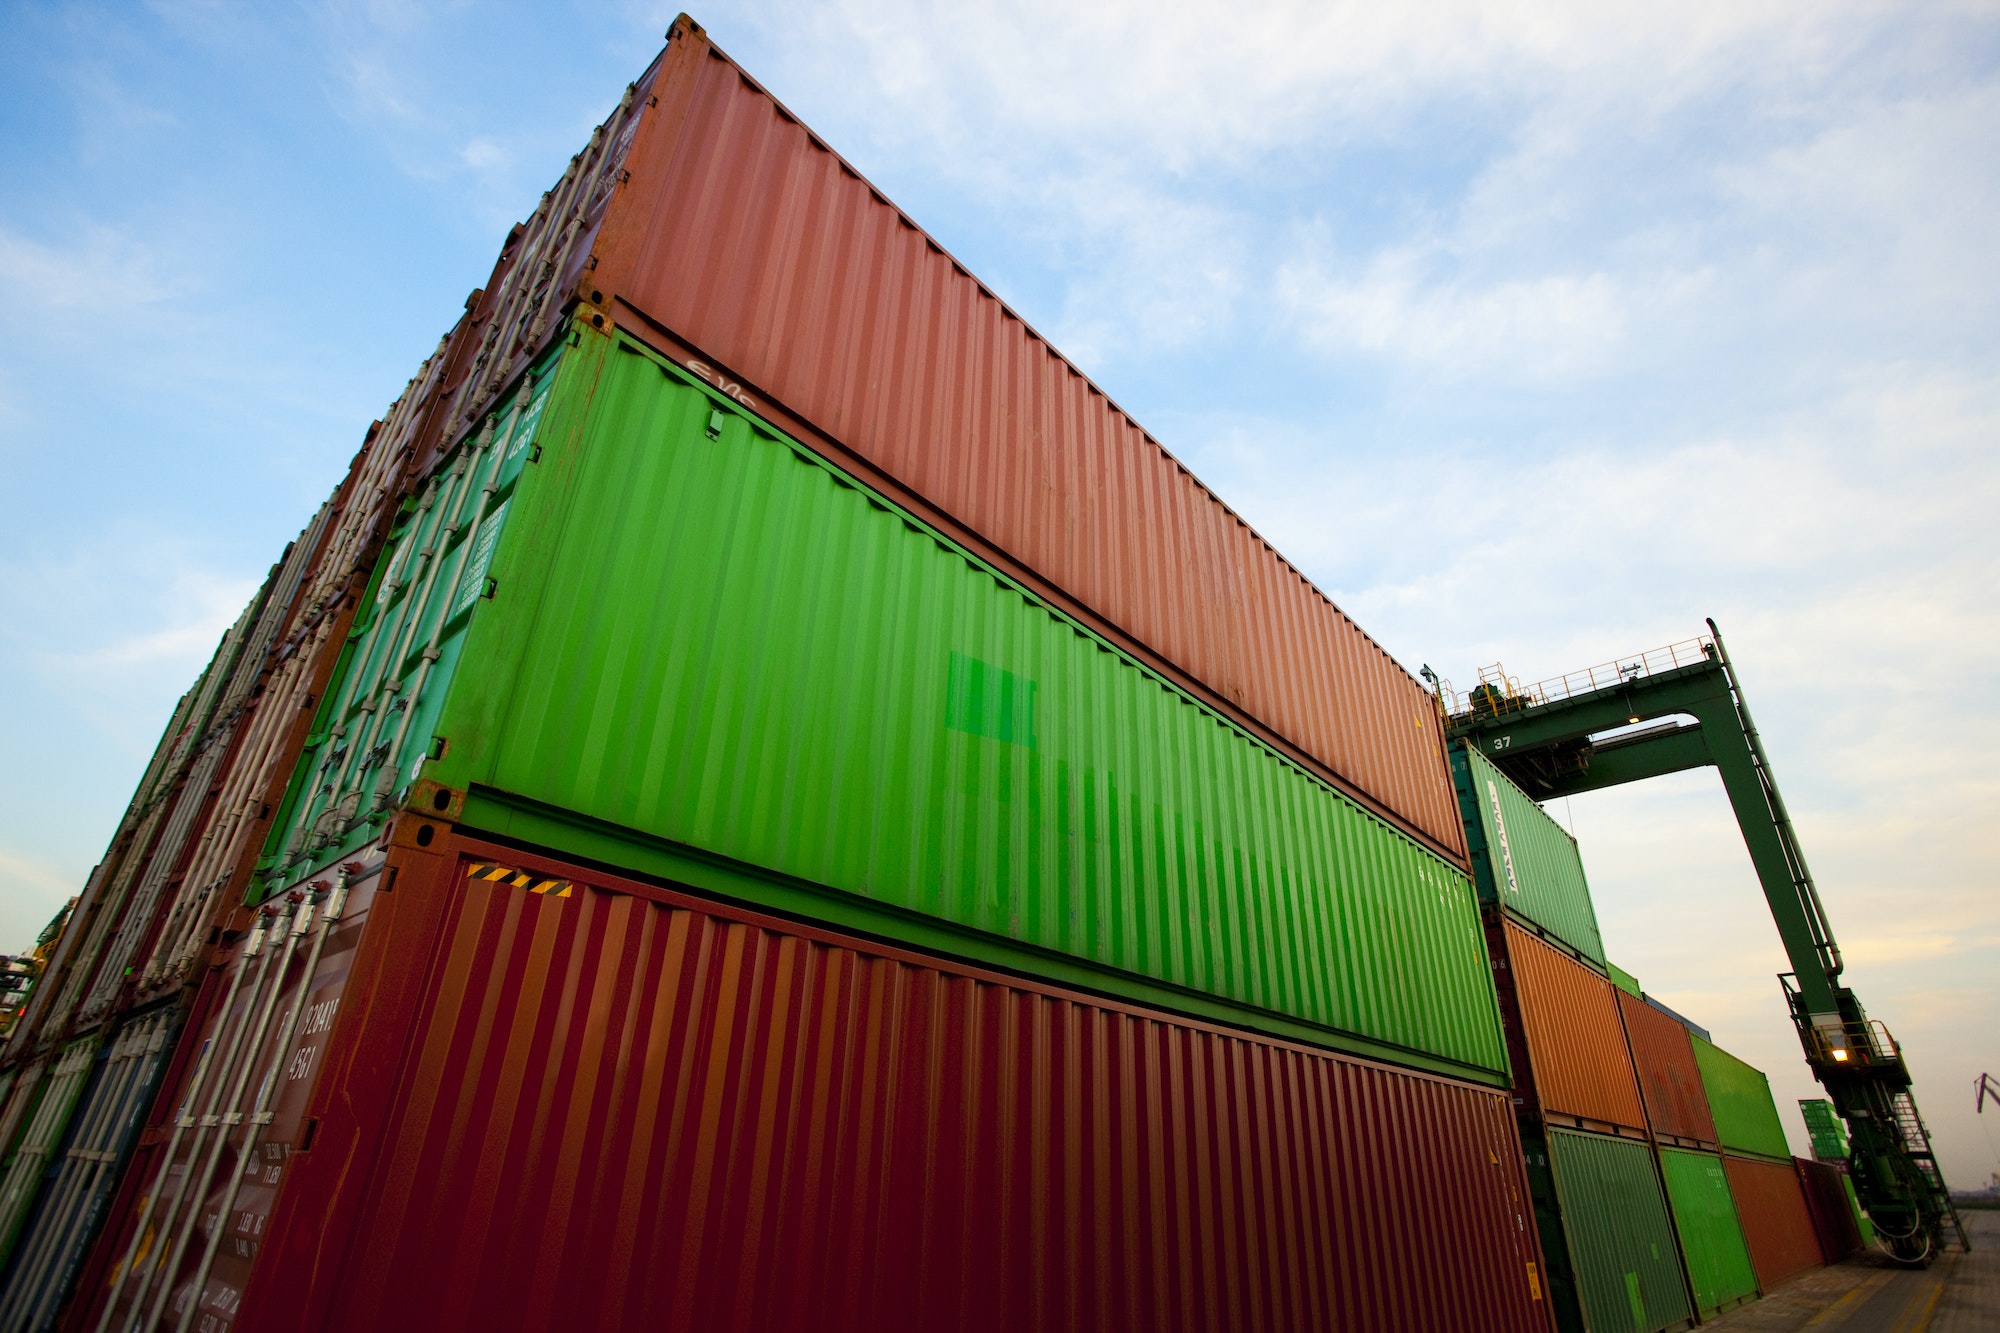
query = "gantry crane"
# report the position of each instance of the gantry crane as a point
(1542, 738)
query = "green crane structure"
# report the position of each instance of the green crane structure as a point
(1542, 737)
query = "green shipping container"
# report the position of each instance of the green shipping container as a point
(667, 638)
(1824, 1128)
(1521, 858)
(1860, 1218)
(1712, 1245)
(1624, 981)
(1619, 1239)
(1746, 1116)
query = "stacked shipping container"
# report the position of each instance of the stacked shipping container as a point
(96, 1040)
(768, 801)
(1126, 970)
(1604, 1220)
(1614, 1093)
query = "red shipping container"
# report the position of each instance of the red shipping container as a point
(561, 1099)
(1669, 1079)
(1776, 1222)
(1571, 1063)
(1832, 1215)
(705, 219)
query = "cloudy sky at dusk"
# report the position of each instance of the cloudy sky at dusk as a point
(1533, 338)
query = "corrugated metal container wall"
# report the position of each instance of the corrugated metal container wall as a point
(85, 1173)
(1739, 1097)
(1777, 1226)
(42, 1132)
(45, 1020)
(226, 1128)
(1621, 1241)
(740, 232)
(629, 1108)
(314, 606)
(1669, 1078)
(1832, 1217)
(375, 723)
(1623, 980)
(1861, 1221)
(1522, 859)
(705, 634)
(1825, 1129)
(1712, 1246)
(1579, 1064)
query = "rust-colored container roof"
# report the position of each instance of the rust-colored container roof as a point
(587, 1102)
(1777, 1223)
(1579, 1064)
(1669, 1079)
(735, 230)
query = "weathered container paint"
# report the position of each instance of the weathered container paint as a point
(1619, 1237)
(562, 1099)
(1833, 1218)
(1569, 1056)
(1669, 1078)
(1777, 1225)
(1523, 860)
(1712, 1247)
(661, 627)
(732, 231)
(1739, 1097)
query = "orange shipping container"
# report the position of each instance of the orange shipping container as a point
(1571, 1064)
(1669, 1079)
(1776, 1222)
(735, 240)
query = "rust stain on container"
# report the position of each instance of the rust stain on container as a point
(735, 229)
(1777, 1224)
(1564, 1017)
(630, 1107)
(1669, 1079)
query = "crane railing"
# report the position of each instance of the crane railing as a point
(1498, 693)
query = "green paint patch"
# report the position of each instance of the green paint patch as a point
(985, 700)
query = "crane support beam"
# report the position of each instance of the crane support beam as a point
(1589, 731)
(1546, 748)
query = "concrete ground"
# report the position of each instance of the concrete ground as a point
(1958, 1293)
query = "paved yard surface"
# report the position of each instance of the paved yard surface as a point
(1959, 1293)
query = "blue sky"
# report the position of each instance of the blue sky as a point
(1533, 337)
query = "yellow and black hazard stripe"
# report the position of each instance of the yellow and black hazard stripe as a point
(546, 885)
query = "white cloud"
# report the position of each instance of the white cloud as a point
(96, 268)
(115, 630)
(1535, 328)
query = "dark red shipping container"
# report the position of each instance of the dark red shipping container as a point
(1669, 1079)
(735, 240)
(1832, 1215)
(595, 1103)
(1771, 1204)
(1571, 1064)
